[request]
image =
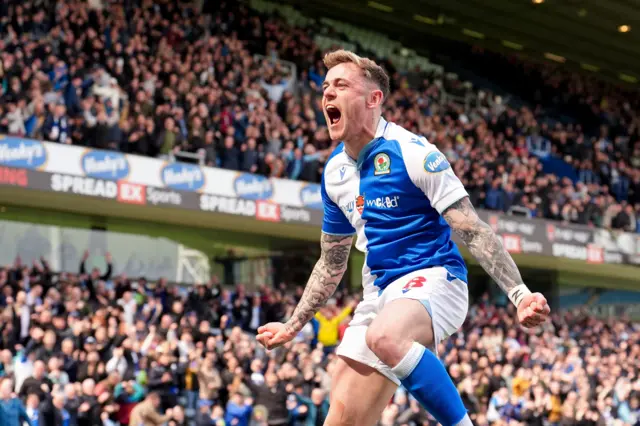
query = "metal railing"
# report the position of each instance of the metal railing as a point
(191, 157)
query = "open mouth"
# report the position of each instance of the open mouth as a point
(334, 114)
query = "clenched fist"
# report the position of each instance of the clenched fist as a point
(275, 334)
(533, 310)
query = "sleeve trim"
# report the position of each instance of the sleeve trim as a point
(447, 201)
(339, 234)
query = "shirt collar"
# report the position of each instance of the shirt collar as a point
(382, 126)
(377, 140)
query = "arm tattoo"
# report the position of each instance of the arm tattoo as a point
(483, 244)
(325, 277)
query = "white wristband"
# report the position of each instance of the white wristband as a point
(518, 293)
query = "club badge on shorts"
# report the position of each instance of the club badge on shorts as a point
(382, 164)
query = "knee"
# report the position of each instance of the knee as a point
(387, 345)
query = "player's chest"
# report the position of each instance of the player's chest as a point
(372, 194)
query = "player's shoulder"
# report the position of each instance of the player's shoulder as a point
(408, 141)
(336, 160)
(336, 154)
(417, 152)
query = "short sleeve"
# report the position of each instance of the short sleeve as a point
(430, 171)
(334, 222)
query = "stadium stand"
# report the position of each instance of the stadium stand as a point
(238, 88)
(104, 348)
(96, 88)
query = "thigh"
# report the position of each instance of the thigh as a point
(359, 394)
(397, 326)
(426, 306)
(354, 342)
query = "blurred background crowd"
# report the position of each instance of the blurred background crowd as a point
(89, 348)
(166, 79)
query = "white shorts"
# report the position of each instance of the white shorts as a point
(445, 297)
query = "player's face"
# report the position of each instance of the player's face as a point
(344, 101)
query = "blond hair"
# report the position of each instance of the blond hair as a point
(371, 71)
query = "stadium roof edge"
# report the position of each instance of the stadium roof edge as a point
(582, 31)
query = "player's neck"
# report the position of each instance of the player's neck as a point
(354, 145)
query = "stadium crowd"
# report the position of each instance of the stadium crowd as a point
(161, 78)
(89, 348)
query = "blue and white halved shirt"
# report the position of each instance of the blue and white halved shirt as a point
(392, 197)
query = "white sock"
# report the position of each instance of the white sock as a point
(466, 421)
(409, 362)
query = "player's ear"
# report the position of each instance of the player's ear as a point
(375, 98)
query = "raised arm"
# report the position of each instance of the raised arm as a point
(324, 280)
(489, 251)
(325, 277)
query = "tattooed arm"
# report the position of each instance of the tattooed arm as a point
(325, 277)
(483, 244)
(487, 248)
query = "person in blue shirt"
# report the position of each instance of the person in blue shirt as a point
(32, 409)
(12, 412)
(238, 412)
(494, 199)
(399, 195)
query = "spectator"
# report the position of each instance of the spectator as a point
(56, 375)
(162, 379)
(178, 417)
(498, 403)
(230, 158)
(140, 139)
(146, 412)
(12, 412)
(329, 319)
(238, 411)
(118, 363)
(317, 407)
(495, 197)
(35, 118)
(47, 348)
(32, 408)
(51, 410)
(169, 139)
(89, 409)
(625, 219)
(209, 381)
(15, 119)
(90, 280)
(38, 383)
(215, 418)
(72, 404)
(250, 156)
(56, 127)
(208, 150)
(273, 396)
